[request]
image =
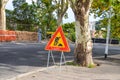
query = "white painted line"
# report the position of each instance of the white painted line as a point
(7, 35)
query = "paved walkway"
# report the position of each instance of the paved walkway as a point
(109, 69)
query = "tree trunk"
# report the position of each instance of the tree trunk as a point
(2, 19)
(61, 10)
(83, 45)
(59, 20)
(2, 15)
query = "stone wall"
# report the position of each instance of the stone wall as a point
(25, 36)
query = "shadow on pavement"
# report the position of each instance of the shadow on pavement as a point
(110, 60)
(28, 55)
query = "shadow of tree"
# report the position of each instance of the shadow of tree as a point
(110, 60)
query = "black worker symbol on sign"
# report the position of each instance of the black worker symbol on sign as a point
(56, 42)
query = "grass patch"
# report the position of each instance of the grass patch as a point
(72, 63)
(91, 66)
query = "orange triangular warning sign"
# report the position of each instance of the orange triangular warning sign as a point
(58, 41)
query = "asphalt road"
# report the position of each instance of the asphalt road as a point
(18, 58)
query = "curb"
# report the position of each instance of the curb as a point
(30, 73)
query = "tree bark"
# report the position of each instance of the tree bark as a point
(2, 14)
(61, 10)
(83, 45)
(59, 20)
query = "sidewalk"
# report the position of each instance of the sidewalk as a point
(108, 70)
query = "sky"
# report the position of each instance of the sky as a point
(69, 11)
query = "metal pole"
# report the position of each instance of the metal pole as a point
(64, 58)
(48, 60)
(61, 60)
(108, 33)
(53, 58)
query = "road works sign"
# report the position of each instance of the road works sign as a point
(58, 42)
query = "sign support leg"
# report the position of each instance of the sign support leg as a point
(53, 58)
(61, 61)
(64, 58)
(48, 60)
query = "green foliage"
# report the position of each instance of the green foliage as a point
(99, 6)
(101, 9)
(46, 18)
(97, 25)
(9, 20)
(115, 29)
(30, 17)
(70, 29)
(23, 15)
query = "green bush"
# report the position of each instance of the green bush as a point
(69, 28)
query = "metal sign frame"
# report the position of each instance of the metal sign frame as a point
(62, 59)
(48, 60)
